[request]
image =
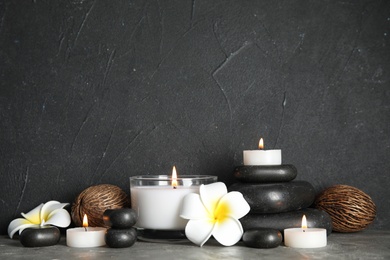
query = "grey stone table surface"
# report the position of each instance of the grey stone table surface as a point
(361, 245)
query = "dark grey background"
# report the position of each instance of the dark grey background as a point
(93, 92)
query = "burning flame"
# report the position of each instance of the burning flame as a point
(85, 221)
(174, 177)
(304, 222)
(261, 144)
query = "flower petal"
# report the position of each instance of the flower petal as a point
(48, 207)
(238, 206)
(228, 232)
(210, 194)
(198, 231)
(192, 207)
(18, 224)
(59, 218)
(33, 215)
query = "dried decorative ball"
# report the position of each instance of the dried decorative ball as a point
(94, 200)
(350, 209)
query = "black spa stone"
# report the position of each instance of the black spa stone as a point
(120, 218)
(280, 221)
(276, 197)
(119, 238)
(265, 173)
(262, 238)
(39, 237)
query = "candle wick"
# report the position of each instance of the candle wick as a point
(174, 187)
(85, 229)
(304, 230)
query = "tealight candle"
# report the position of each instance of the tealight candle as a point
(85, 236)
(158, 199)
(305, 237)
(262, 157)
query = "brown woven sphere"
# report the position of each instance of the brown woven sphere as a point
(350, 209)
(94, 200)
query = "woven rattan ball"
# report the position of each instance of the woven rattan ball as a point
(94, 200)
(350, 209)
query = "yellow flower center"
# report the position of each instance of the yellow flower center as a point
(221, 212)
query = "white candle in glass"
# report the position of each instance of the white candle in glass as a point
(159, 207)
(158, 199)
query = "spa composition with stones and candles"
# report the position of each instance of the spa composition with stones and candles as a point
(265, 208)
(195, 129)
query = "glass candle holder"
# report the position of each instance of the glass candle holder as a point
(157, 199)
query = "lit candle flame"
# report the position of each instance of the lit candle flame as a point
(304, 223)
(261, 144)
(85, 222)
(174, 177)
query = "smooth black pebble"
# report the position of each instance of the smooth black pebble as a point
(280, 221)
(38, 237)
(265, 173)
(276, 197)
(119, 238)
(262, 238)
(120, 218)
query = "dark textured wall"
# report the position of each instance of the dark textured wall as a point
(96, 91)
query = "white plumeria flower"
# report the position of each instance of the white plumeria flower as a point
(50, 213)
(214, 212)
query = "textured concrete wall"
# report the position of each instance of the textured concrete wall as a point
(96, 91)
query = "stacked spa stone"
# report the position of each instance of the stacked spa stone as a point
(277, 202)
(121, 234)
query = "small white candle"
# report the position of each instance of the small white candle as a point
(305, 237)
(262, 157)
(85, 236)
